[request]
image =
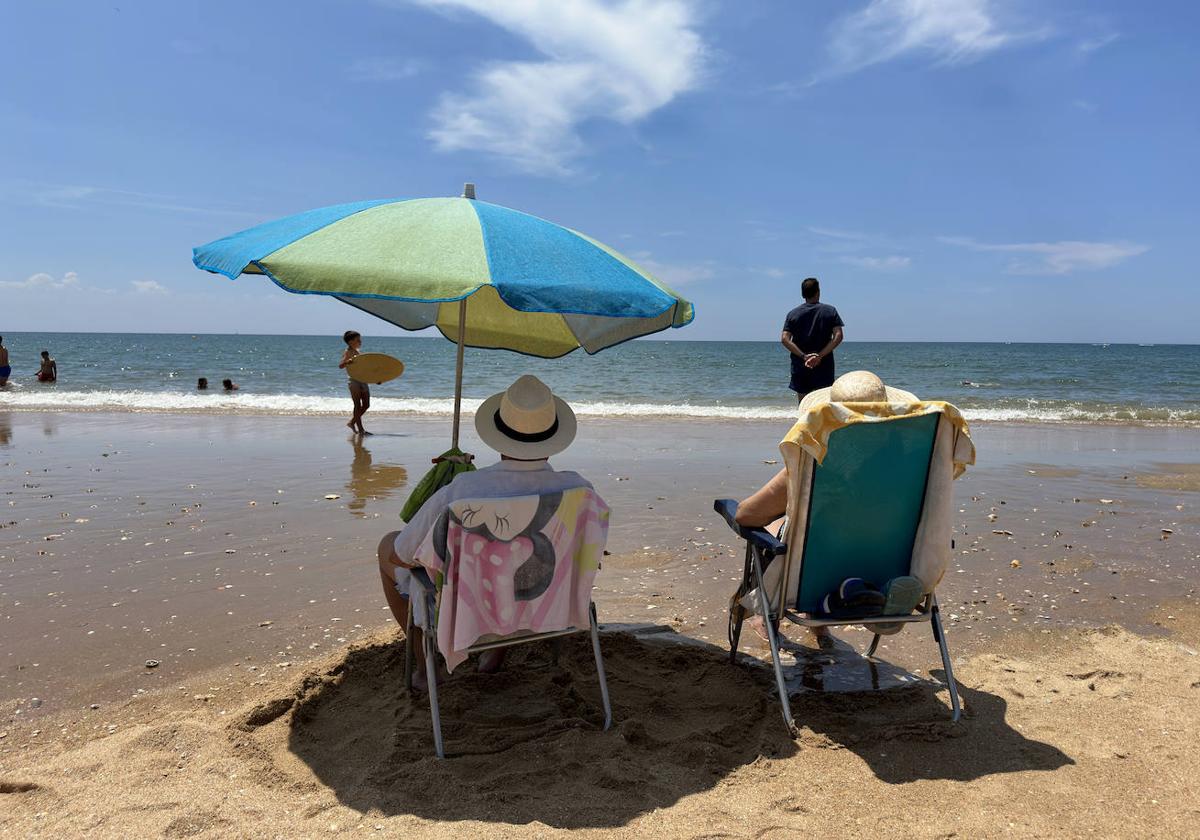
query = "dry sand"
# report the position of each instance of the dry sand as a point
(1090, 735)
(277, 709)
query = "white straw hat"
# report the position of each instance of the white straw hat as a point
(856, 386)
(526, 421)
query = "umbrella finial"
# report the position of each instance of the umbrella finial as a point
(469, 191)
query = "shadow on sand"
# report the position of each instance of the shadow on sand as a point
(523, 743)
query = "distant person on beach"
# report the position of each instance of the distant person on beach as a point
(526, 424)
(360, 392)
(49, 369)
(811, 331)
(5, 369)
(201, 384)
(229, 385)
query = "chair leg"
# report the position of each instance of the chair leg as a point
(940, 635)
(765, 608)
(737, 613)
(431, 676)
(600, 668)
(408, 650)
(874, 645)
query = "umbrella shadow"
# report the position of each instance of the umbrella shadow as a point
(523, 744)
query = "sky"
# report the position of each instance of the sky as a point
(959, 170)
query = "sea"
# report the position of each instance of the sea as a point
(720, 380)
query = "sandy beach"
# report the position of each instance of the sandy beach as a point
(209, 544)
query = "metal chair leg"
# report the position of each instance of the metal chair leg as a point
(940, 635)
(874, 645)
(765, 608)
(431, 676)
(600, 668)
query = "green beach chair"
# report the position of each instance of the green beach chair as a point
(863, 515)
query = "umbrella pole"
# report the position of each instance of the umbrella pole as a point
(458, 367)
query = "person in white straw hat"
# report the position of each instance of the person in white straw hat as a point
(526, 423)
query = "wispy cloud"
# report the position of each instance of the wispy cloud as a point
(1099, 42)
(384, 69)
(148, 287)
(42, 280)
(675, 274)
(1085, 105)
(946, 31)
(79, 197)
(1056, 257)
(617, 61)
(892, 263)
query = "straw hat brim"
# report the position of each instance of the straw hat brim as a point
(490, 434)
(821, 395)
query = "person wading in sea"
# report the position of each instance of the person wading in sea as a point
(810, 333)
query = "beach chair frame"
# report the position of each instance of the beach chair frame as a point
(761, 549)
(429, 639)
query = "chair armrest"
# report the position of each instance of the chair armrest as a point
(759, 537)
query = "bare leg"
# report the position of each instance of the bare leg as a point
(388, 561)
(365, 402)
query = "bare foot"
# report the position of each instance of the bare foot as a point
(490, 661)
(365, 432)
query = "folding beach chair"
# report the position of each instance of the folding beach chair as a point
(477, 564)
(877, 507)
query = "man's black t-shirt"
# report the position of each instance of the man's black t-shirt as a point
(811, 326)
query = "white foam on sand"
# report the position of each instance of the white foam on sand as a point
(303, 404)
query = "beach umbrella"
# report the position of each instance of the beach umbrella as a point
(484, 275)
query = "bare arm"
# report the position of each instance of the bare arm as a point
(766, 505)
(347, 357)
(834, 340)
(786, 340)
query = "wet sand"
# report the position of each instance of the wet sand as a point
(207, 543)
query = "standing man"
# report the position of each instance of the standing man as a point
(5, 370)
(810, 333)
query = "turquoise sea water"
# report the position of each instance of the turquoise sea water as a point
(730, 380)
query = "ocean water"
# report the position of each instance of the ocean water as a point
(721, 380)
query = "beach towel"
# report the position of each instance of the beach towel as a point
(512, 564)
(447, 465)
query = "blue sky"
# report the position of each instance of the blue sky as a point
(953, 170)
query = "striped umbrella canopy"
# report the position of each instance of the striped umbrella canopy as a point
(484, 275)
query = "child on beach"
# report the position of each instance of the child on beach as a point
(49, 369)
(360, 393)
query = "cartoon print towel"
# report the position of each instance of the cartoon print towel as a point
(512, 564)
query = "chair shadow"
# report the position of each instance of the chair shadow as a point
(522, 744)
(897, 722)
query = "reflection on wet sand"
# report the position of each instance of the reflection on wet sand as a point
(5, 429)
(371, 481)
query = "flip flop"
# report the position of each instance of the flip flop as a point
(902, 596)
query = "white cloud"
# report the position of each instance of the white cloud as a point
(676, 275)
(1057, 257)
(41, 280)
(948, 31)
(148, 287)
(384, 69)
(618, 61)
(1090, 45)
(893, 263)
(1085, 105)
